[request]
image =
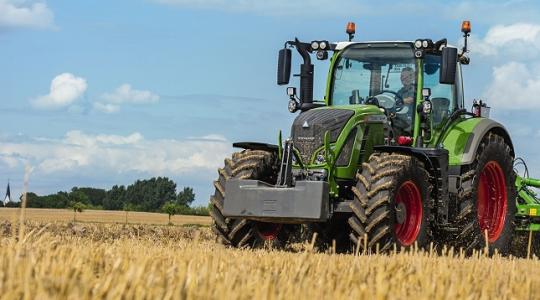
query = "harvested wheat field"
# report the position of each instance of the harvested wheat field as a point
(101, 216)
(112, 261)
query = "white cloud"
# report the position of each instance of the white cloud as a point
(65, 89)
(514, 86)
(104, 154)
(519, 40)
(124, 94)
(515, 50)
(106, 107)
(25, 14)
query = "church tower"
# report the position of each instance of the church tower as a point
(8, 195)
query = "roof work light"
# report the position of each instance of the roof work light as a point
(466, 27)
(351, 30)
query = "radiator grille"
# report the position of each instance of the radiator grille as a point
(309, 127)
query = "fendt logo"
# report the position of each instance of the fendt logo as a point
(305, 125)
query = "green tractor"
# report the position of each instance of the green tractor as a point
(390, 159)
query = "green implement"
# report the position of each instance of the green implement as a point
(528, 204)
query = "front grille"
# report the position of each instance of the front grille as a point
(309, 127)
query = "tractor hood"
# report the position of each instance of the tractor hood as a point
(309, 127)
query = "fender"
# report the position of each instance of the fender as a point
(256, 146)
(464, 138)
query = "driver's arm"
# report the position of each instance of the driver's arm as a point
(408, 100)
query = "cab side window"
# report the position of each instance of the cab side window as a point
(443, 96)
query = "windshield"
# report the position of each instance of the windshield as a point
(362, 73)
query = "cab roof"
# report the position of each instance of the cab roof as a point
(342, 45)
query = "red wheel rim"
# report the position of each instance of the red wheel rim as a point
(491, 203)
(409, 202)
(268, 231)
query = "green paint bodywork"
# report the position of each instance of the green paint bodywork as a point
(456, 139)
(528, 204)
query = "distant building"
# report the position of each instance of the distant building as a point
(7, 199)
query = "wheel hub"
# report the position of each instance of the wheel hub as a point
(401, 213)
(268, 231)
(409, 212)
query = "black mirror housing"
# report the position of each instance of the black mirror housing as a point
(284, 66)
(448, 66)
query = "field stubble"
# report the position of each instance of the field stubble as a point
(81, 261)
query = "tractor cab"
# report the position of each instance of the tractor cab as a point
(397, 77)
(417, 85)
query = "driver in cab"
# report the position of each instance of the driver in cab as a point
(408, 91)
(407, 94)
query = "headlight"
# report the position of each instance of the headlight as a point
(293, 105)
(323, 45)
(320, 158)
(418, 44)
(425, 44)
(314, 45)
(426, 107)
(322, 55)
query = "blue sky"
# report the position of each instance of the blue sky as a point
(97, 93)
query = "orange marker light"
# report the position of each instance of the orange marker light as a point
(351, 28)
(466, 27)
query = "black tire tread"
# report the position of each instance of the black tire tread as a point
(372, 194)
(247, 164)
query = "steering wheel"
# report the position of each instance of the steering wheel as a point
(399, 103)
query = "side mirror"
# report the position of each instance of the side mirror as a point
(284, 66)
(448, 66)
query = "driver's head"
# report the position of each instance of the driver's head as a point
(407, 76)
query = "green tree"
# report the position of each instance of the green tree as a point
(151, 194)
(95, 196)
(58, 200)
(33, 200)
(77, 207)
(115, 198)
(185, 197)
(171, 209)
(79, 196)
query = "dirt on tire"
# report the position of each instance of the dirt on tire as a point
(377, 223)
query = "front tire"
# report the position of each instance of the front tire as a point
(247, 164)
(391, 204)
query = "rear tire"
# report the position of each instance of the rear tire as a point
(391, 204)
(247, 164)
(488, 200)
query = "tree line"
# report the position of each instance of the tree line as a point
(149, 195)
